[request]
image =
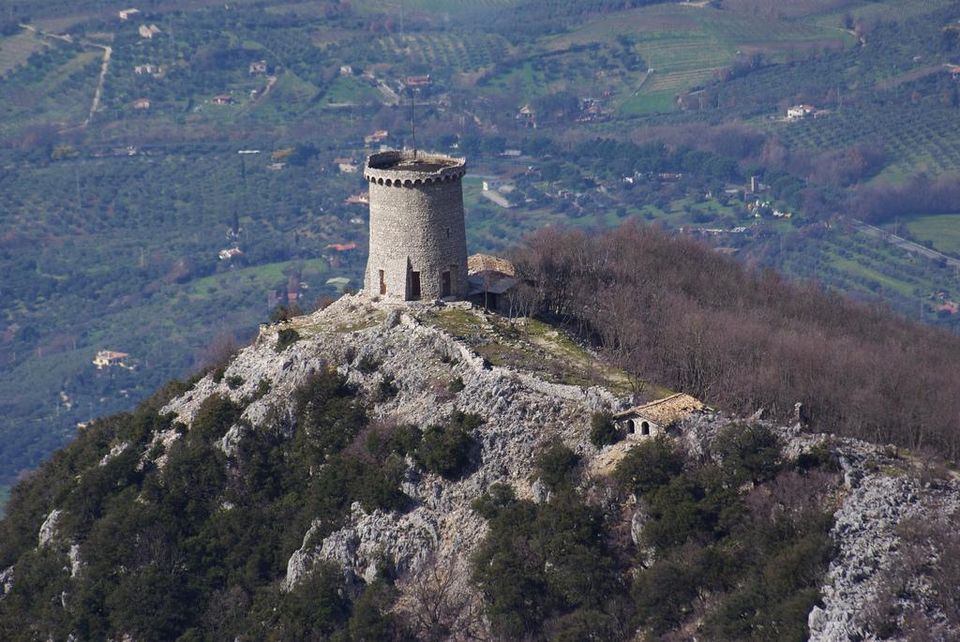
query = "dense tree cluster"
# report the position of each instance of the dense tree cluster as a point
(885, 203)
(195, 549)
(736, 540)
(670, 310)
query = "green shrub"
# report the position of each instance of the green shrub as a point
(542, 561)
(215, 416)
(748, 453)
(327, 414)
(386, 388)
(497, 497)
(820, 456)
(283, 313)
(402, 440)
(371, 619)
(648, 466)
(663, 594)
(445, 450)
(315, 608)
(556, 465)
(234, 382)
(286, 338)
(603, 431)
(262, 389)
(368, 364)
(456, 385)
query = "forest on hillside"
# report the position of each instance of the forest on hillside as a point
(673, 311)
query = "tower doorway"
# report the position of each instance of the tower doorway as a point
(445, 287)
(383, 283)
(414, 286)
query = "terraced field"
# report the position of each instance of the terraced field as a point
(861, 265)
(687, 45)
(441, 50)
(434, 6)
(917, 139)
(60, 91)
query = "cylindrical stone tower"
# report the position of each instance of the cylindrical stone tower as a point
(418, 243)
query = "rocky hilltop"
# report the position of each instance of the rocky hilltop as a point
(524, 389)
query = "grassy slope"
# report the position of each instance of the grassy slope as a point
(943, 230)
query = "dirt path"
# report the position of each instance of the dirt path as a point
(104, 68)
(271, 81)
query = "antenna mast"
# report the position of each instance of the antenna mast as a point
(413, 119)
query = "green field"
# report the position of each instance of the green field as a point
(942, 230)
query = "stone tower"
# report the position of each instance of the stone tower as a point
(418, 244)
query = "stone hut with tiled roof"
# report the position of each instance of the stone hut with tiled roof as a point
(656, 417)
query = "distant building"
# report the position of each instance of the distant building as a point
(418, 81)
(126, 14)
(655, 418)
(229, 253)
(148, 69)
(148, 32)
(378, 136)
(362, 198)
(346, 70)
(258, 68)
(141, 103)
(527, 116)
(346, 165)
(799, 112)
(223, 99)
(342, 247)
(109, 359)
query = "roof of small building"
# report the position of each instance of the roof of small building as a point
(489, 263)
(110, 354)
(495, 284)
(664, 411)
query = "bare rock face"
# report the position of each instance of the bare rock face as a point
(48, 529)
(520, 413)
(870, 540)
(6, 581)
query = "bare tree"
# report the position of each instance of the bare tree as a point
(437, 603)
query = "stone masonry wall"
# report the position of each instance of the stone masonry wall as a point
(416, 224)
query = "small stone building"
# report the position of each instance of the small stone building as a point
(490, 277)
(418, 242)
(654, 418)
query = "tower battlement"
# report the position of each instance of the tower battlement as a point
(410, 169)
(418, 246)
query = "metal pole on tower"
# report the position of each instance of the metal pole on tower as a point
(413, 119)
